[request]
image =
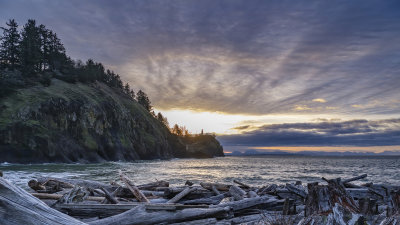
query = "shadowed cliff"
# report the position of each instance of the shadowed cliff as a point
(80, 122)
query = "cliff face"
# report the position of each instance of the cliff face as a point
(87, 123)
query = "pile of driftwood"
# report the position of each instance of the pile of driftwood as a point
(76, 201)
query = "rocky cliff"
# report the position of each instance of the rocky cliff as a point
(87, 123)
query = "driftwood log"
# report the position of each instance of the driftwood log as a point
(19, 207)
(136, 192)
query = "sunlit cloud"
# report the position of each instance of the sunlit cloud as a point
(321, 100)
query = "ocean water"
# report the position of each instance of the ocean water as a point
(260, 170)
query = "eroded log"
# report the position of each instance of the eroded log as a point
(182, 194)
(138, 215)
(136, 192)
(218, 186)
(19, 207)
(237, 193)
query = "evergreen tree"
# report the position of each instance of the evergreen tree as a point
(30, 49)
(9, 48)
(127, 89)
(177, 130)
(144, 100)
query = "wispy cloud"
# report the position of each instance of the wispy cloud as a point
(248, 57)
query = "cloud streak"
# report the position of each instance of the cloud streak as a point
(257, 57)
(325, 133)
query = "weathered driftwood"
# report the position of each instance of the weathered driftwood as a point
(354, 178)
(58, 196)
(106, 210)
(241, 184)
(109, 196)
(214, 200)
(250, 202)
(237, 193)
(19, 207)
(252, 194)
(295, 189)
(182, 194)
(218, 186)
(208, 221)
(138, 215)
(269, 189)
(136, 192)
(152, 186)
(215, 190)
(69, 183)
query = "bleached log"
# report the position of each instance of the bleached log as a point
(136, 192)
(109, 197)
(266, 201)
(268, 189)
(215, 190)
(152, 186)
(58, 196)
(354, 178)
(252, 194)
(181, 195)
(137, 215)
(19, 207)
(241, 184)
(218, 186)
(214, 200)
(237, 193)
(208, 221)
(296, 190)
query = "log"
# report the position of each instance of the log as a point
(58, 196)
(296, 190)
(237, 193)
(136, 192)
(252, 194)
(152, 186)
(269, 189)
(109, 197)
(36, 186)
(19, 207)
(106, 210)
(137, 215)
(69, 183)
(208, 221)
(266, 201)
(354, 178)
(218, 186)
(322, 199)
(181, 195)
(215, 190)
(241, 184)
(286, 207)
(214, 200)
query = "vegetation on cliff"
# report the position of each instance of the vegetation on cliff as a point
(55, 109)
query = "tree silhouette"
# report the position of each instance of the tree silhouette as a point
(9, 48)
(30, 49)
(144, 100)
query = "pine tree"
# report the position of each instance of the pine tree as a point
(9, 48)
(30, 49)
(144, 100)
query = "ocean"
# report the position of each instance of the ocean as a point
(258, 171)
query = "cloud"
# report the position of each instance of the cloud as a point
(247, 57)
(320, 100)
(324, 133)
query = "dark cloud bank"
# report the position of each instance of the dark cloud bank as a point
(342, 133)
(253, 57)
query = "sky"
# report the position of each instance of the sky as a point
(257, 73)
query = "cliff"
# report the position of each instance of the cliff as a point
(79, 122)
